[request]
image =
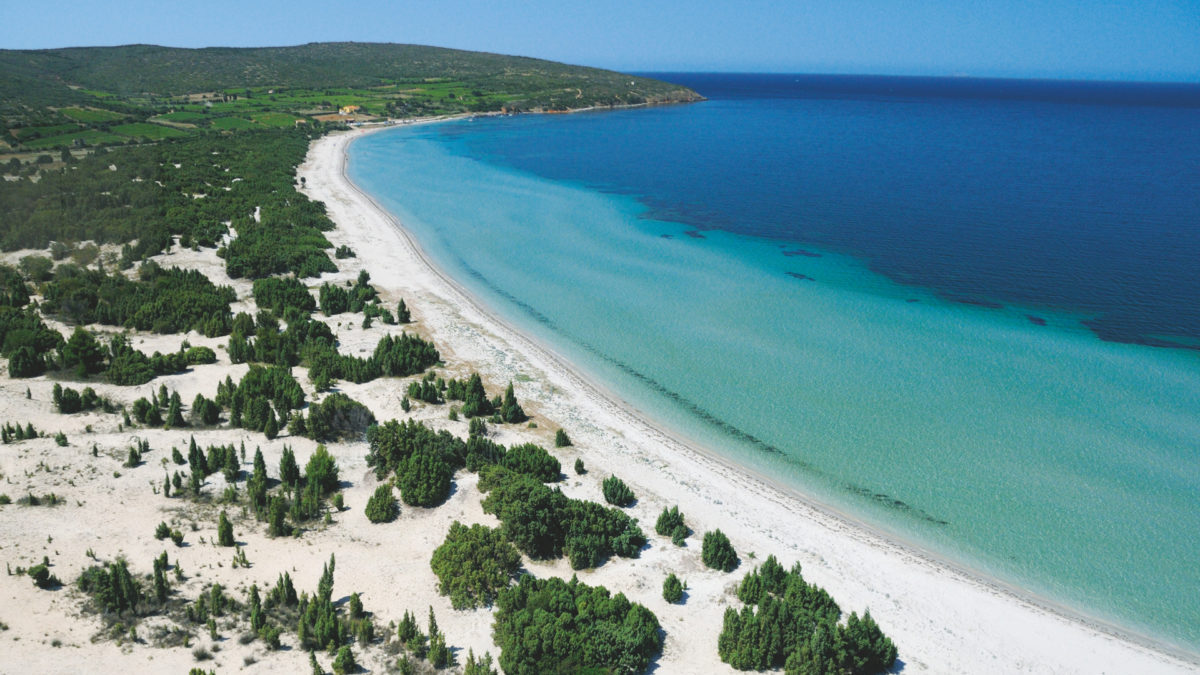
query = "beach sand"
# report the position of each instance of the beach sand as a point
(944, 620)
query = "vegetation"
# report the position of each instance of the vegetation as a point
(533, 461)
(283, 294)
(224, 530)
(382, 506)
(670, 524)
(163, 300)
(401, 80)
(473, 564)
(717, 553)
(790, 623)
(11, 433)
(423, 461)
(561, 440)
(554, 626)
(616, 492)
(260, 397)
(672, 589)
(68, 401)
(338, 417)
(544, 523)
(112, 587)
(212, 140)
(41, 576)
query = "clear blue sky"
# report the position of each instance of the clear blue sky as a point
(1089, 39)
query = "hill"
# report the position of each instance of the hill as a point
(62, 92)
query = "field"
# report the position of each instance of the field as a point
(147, 130)
(231, 123)
(275, 119)
(87, 136)
(89, 115)
(43, 132)
(183, 116)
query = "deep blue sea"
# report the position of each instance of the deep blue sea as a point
(966, 311)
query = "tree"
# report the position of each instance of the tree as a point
(175, 412)
(402, 313)
(510, 411)
(579, 470)
(289, 472)
(224, 530)
(382, 506)
(717, 553)
(276, 526)
(322, 470)
(83, 353)
(672, 589)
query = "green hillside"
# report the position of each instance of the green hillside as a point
(99, 89)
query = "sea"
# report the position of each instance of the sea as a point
(964, 311)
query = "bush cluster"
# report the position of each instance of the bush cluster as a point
(789, 623)
(555, 626)
(544, 523)
(473, 564)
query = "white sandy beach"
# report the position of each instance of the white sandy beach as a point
(942, 619)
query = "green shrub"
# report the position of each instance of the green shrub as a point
(322, 470)
(672, 589)
(544, 523)
(561, 440)
(616, 492)
(717, 553)
(792, 624)
(473, 564)
(382, 506)
(344, 661)
(338, 417)
(532, 460)
(42, 578)
(612, 635)
(670, 524)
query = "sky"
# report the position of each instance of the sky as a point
(1148, 40)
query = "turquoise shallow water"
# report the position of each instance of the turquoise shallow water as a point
(1037, 454)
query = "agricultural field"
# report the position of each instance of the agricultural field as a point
(90, 115)
(153, 132)
(182, 116)
(231, 123)
(85, 136)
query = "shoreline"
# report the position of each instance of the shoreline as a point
(1071, 640)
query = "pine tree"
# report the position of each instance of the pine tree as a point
(224, 530)
(289, 471)
(402, 313)
(510, 411)
(271, 429)
(174, 412)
